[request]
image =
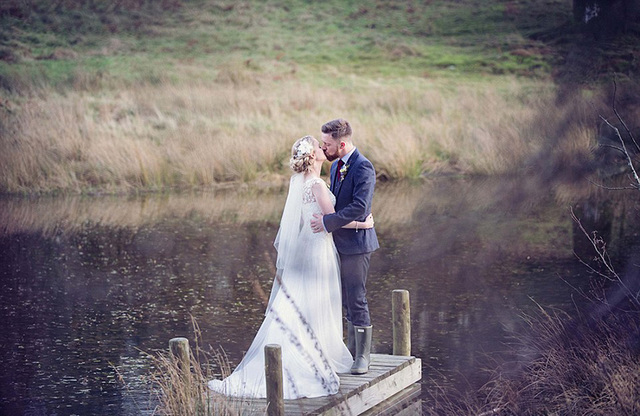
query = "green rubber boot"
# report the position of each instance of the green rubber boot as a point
(351, 338)
(362, 357)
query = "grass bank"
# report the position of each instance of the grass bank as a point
(201, 134)
(139, 95)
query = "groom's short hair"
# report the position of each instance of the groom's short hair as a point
(338, 128)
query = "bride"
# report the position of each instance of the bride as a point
(304, 314)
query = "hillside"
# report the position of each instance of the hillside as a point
(134, 95)
(74, 41)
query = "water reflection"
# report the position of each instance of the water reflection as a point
(90, 283)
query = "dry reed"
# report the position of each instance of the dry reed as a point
(195, 134)
(185, 392)
(569, 366)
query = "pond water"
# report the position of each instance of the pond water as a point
(91, 285)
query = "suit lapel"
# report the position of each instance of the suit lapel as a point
(352, 161)
(333, 177)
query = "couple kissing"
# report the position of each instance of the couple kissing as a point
(324, 244)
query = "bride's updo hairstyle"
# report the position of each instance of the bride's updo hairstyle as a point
(302, 155)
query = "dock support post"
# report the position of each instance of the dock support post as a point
(273, 374)
(401, 319)
(179, 351)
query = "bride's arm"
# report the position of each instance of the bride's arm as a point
(321, 193)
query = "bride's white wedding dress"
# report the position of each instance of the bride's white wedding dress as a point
(304, 315)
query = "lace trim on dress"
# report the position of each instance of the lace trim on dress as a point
(307, 194)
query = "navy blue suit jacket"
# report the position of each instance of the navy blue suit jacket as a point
(354, 194)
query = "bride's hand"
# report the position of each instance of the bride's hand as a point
(368, 222)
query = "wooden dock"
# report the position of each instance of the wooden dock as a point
(389, 375)
(391, 385)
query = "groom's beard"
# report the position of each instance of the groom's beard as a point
(330, 157)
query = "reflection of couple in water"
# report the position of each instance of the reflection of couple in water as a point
(324, 245)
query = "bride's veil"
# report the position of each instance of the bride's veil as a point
(289, 231)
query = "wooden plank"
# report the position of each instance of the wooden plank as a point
(375, 391)
(405, 403)
(385, 358)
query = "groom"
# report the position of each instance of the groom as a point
(353, 179)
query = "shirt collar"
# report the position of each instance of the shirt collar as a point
(345, 158)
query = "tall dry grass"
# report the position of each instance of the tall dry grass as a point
(185, 392)
(240, 128)
(581, 366)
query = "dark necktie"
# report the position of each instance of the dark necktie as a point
(338, 173)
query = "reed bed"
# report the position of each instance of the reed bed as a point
(583, 366)
(240, 129)
(185, 392)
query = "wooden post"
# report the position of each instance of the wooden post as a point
(401, 319)
(179, 351)
(273, 373)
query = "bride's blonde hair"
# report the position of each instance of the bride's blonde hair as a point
(302, 154)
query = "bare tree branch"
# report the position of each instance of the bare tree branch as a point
(619, 149)
(603, 256)
(613, 188)
(615, 111)
(625, 151)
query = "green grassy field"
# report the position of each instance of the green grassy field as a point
(56, 40)
(146, 95)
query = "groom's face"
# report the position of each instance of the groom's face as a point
(330, 147)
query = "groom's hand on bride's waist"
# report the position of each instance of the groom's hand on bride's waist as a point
(316, 223)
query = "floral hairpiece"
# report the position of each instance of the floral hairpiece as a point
(304, 148)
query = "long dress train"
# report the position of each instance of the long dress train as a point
(304, 315)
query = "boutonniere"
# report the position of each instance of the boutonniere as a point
(343, 171)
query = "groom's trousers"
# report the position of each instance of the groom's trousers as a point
(353, 272)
